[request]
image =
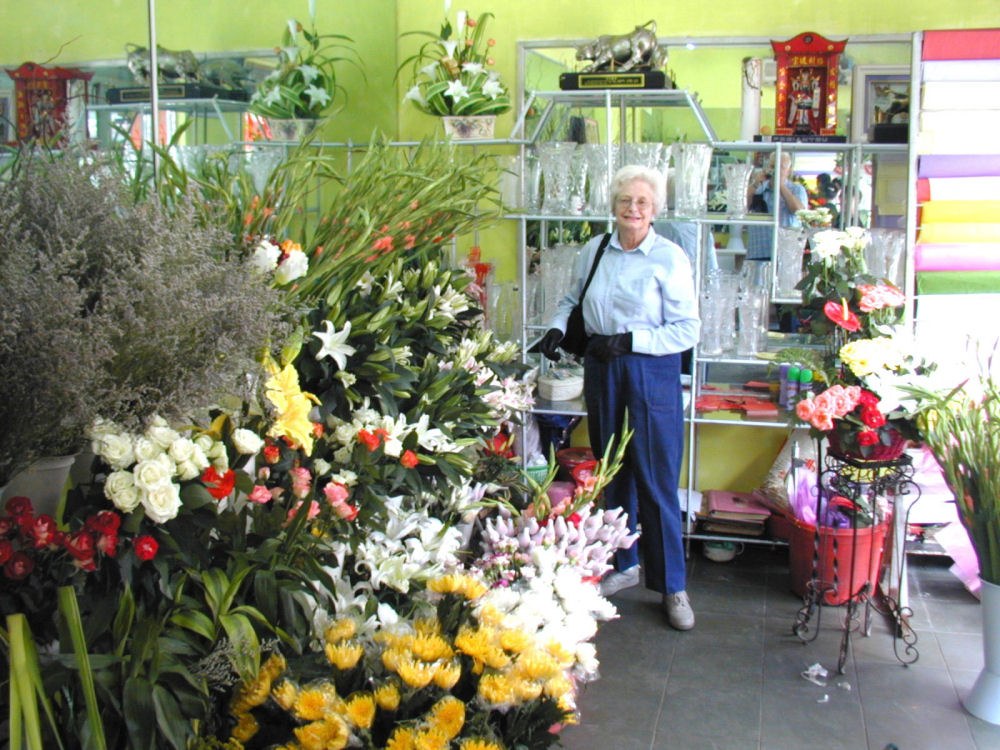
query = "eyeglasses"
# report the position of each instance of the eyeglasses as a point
(643, 204)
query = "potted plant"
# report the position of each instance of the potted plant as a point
(961, 426)
(303, 86)
(450, 77)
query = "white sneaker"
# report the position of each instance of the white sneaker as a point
(615, 581)
(678, 609)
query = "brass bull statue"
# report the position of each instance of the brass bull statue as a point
(625, 52)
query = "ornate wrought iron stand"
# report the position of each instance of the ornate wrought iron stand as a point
(874, 491)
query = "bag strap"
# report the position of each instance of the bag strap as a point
(593, 267)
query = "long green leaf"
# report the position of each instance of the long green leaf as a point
(25, 679)
(70, 610)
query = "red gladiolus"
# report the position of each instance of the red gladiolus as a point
(867, 437)
(146, 547)
(842, 316)
(18, 567)
(19, 506)
(409, 459)
(218, 485)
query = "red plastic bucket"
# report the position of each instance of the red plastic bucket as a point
(842, 564)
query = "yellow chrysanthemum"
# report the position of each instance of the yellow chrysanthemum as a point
(344, 655)
(567, 704)
(284, 694)
(415, 674)
(341, 630)
(293, 406)
(515, 641)
(474, 642)
(447, 584)
(490, 615)
(475, 743)
(274, 666)
(865, 356)
(313, 704)
(360, 710)
(537, 665)
(557, 687)
(563, 656)
(402, 739)
(430, 739)
(496, 689)
(392, 657)
(431, 648)
(448, 715)
(387, 696)
(525, 690)
(329, 734)
(447, 674)
(496, 658)
(246, 727)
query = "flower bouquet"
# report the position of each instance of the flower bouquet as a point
(866, 357)
(450, 73)
(304, 83)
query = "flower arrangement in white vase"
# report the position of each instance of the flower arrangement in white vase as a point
(451, 76)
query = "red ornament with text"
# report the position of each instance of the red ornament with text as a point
(51, 103)
(806, 85)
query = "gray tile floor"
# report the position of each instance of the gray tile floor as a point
(735, 681)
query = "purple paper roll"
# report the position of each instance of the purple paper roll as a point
(959, 165)
(955, 257)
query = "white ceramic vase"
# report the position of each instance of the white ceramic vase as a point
(469, 127)
(983, 701)
(43, 482)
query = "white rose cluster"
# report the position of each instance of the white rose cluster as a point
(145, 467)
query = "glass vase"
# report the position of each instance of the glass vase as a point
(598, 177)
(788, 259)
(556, 162)
(737, 180)
(691, 165)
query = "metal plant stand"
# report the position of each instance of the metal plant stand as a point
(871, 492)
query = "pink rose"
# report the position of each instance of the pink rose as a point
(822, 420)
(301, 481)
(260, 494)
(805, 408)
(313, 510)
(335, 493)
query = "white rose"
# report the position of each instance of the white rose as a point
(345, 477)
(162, 503)
(149, 475)
(321, 467)
(101, 427)
(247, 442)
(292, 267)
(120, 489)
(187, 470)
(162, 434)
(198, 457)
(116, 450)
(181, 450)
(145, 449)
(205, 442)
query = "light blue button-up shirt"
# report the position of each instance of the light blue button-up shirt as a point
(648, 291)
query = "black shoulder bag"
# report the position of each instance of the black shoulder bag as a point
(575, 340)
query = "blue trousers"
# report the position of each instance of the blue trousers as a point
(646, 487)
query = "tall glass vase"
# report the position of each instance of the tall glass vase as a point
(788, 260)
(717, 311)
(691, 165)
(598, 177)
(737, 179)
(556, 162)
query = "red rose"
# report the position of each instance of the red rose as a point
(19, 566)
(867, 398)
(317, 430)
(6, 550)
(872, 418)
(88, 564)
(42, 531)
(108, 544)
(146, 547)
(81, 545)
(272, 453)
(409, 459)
(371, 441)
(19, 507)
(867, 437)
(105, 522)
(7, 525)
(218, 485)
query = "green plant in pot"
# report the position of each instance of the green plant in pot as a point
(961, 427)
(303, 85)
(450, 73)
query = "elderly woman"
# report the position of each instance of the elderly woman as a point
(641, 313)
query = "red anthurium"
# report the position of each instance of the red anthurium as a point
(841, 315)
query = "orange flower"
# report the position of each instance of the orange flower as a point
(409, 459)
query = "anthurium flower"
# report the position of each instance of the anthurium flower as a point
(842, 315)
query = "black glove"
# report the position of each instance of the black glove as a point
(606, 348)
(549, 343)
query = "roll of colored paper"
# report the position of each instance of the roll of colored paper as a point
(961, 95)
(958, 282)
(958, 189)
(959, 165)
(965, 120)
(961, 44)
(935, 212)
(962, 70)
(957, 233)
(957, 257)
(966, 141)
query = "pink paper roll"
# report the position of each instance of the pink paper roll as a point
(955, 257)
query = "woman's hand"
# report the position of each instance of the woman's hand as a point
(549, 343)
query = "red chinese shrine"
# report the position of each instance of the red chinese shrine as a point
(806, 85)
(45, 98)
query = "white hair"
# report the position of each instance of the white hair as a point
(652, 177)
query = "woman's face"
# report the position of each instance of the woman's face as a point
(634, 206)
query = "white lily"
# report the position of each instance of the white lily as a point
(492, 89)
(333, 343)
(317, 96)
(457, 91)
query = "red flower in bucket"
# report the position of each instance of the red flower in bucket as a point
(841, 314)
